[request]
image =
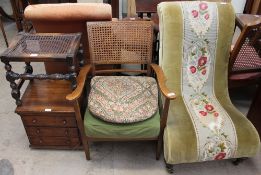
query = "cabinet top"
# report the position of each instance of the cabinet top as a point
(46, 96)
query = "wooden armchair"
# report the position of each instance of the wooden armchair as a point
(245, 61)
(115, 101)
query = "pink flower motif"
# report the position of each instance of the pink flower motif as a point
(203, 113)
(202, 61)
(204, 71)
(216, 114)
(206, 16)
(195, 13)
(209, 107)
(203, 6)
(193, 69)
(220, 156)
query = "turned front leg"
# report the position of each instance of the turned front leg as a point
(11, 77)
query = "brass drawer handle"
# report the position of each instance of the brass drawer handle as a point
(38, 131)
(34, 120)
(40, 141)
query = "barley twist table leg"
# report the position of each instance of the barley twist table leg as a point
(72, 73)
(11, 77)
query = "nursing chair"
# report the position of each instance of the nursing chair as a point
(66, 18)
(203, 124)
(121, 108)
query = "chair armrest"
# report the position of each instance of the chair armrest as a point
(80, 83)
(161, 81)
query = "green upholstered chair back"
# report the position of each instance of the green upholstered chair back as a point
(195, 39)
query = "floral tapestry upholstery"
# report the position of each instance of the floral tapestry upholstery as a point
(202, 124)
(123, 99)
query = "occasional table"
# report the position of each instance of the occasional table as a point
(41, 48)
(48, 118)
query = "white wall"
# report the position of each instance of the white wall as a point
(6, 5)
(239, 5)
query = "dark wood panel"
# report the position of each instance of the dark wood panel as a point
(52, 132)
(148, 5)
(248, 6)
(49, 121)
(115, 7)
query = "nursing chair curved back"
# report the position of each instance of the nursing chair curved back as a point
(203, 124)
(66, 18)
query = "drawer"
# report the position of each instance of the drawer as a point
(52, 132)
(54, 121)
(54, 141)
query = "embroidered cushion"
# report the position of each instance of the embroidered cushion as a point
(123, 99)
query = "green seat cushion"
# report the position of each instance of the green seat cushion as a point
(98, 128)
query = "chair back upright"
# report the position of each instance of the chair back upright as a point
(122, 42)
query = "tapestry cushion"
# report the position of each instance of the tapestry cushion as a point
(123, 99)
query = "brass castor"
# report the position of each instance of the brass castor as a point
(237, 161)
(169, 168)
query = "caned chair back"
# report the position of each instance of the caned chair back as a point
(122, 42)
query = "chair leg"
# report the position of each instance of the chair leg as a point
(86, 149)
(169, 168)
(159, 146)
(238, 161)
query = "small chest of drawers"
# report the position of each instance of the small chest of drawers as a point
(49, 120)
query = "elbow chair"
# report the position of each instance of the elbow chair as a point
(203, 124)
(121, 108)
